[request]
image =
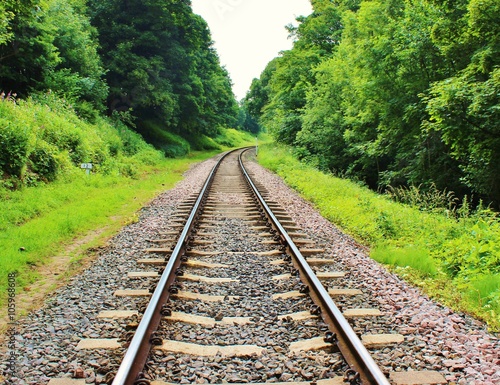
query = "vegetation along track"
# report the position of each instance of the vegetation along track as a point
(241, 307)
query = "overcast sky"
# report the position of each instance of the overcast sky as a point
(248, 34)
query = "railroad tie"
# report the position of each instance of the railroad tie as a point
(208, 265)
(307, 252)
(199, 278)
(361, 313)
(381, 340)
(66, 381)
(211, 350)
(143, 274)
(347, 292)
(204, 297)
(321, 275)
(300, 316)
(98, 343)
(132, 293)
(207, 321)
(327, 381)
(417, 378)
(289, 295)
(117, 314)
(152, 261)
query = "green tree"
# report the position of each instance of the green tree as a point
(260, 93)
(321, 140)
(6, 16)
(53, 47)
(392, 92)
(79, 74)
(141, 51)
(288, 88)
(316, 38)
(464, 108)
(366, 107)
(29, 48)
(161, 66)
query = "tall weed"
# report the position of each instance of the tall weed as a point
(429, 199)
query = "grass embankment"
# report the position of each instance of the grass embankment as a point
(47, 202)
(454, 256)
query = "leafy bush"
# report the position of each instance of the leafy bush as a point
(170, 144)
(229, 137)
(148, 157)
(203, 142)
(42, 138)
(14, 144)
(475, 251)
(43, 162)
(132, 142)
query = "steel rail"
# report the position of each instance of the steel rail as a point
(353, 350)
(136, 356)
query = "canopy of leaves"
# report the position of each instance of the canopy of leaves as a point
(392, 92)
(51, 45)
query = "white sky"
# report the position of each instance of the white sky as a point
(248, 34)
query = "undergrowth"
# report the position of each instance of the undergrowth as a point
(43, 139)
(439, 246)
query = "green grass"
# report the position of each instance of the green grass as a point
(412, 256)
(458, 257)
(233, 138)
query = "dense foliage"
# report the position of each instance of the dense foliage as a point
(392, 92)
(161, 65)
(50, 45)
(43, 139)
(147, 64)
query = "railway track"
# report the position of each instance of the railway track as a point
(234, 292)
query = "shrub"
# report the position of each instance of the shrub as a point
(42, 138)
(132, 142)
(43, 162)
(230, 137)
(14, 143)
(149, 157)
(203, 142)
(475, 251)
